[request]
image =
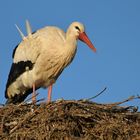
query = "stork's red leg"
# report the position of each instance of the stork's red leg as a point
(49, 93)
(34, 95)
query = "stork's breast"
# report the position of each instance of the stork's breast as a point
(47, 69)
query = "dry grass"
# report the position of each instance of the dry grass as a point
(69, 120)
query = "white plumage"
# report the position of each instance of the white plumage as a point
(41, 57)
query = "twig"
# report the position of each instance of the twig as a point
(2, 105)
(97, 94)
(11, 123)
(22, 103)
(42, 99)
(31, 97)
(124, 101)
(2, 123)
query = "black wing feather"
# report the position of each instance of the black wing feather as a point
(16, 70)
(13, 54)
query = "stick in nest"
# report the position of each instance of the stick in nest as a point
(96, 94)
(124, 101)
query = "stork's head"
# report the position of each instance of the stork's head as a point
(78, 30)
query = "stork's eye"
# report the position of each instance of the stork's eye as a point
(77, 28)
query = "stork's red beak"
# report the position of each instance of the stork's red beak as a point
(83, 37)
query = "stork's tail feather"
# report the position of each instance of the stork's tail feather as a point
(18, 98)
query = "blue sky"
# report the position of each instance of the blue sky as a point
(112, 26)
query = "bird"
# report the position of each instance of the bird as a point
(40, 58)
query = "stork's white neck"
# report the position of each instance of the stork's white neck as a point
(71, 40)
(70, 48)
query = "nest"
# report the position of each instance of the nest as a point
(69, 120)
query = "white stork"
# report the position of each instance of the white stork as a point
(40, 58)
